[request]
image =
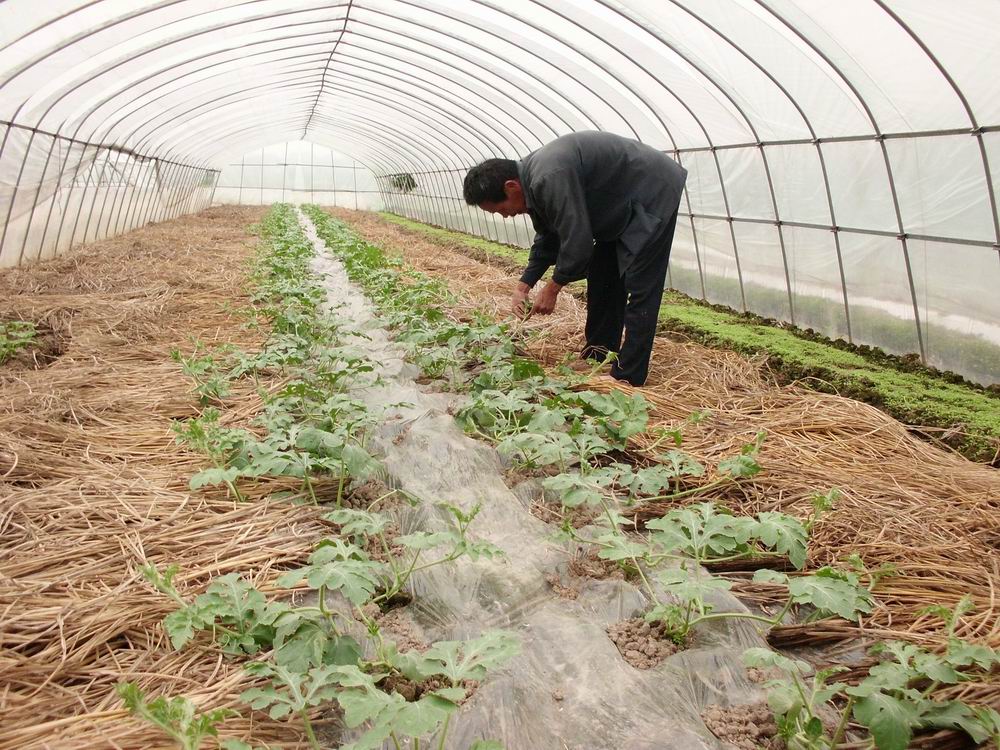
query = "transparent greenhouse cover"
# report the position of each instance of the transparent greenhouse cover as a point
(843, 157)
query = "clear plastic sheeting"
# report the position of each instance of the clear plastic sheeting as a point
(569, 688)
(874, 120)
(298, 172)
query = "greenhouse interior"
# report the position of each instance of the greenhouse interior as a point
(479, 375)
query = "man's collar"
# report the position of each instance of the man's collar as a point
(524, 190)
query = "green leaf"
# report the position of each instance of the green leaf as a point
(989, 721)
(701, 531)
(691, 585)
(301, 639)
(423, 716)
(739, 466)
(765, 658)
(355, 579)
(470, 660)
(213, 476)
(618, 547)
(783, 534)
(573, 490)
(360, 464)
(429, 539)
(962, 653)
(954, 715)
(289, 691)
(828, 590)
(890, 720)
(358, 522)
(339, 566)
(679, 464)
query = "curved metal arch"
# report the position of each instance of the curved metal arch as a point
(218, 137)
(527, 72)
(252, 19)
(350, 128)
(486, 141)
(141, 138)
(379, 159)
(885, 157)
(668, 89)
(322, 80)
(242, 21)
(68, 42)
(398, 106)
(443, 155)
(417, 83)
(187, 112)
(186, 61)
(109, 97)
(158, 95)
(976, 130)
(542, 84)
(767, 168)
(124, 60)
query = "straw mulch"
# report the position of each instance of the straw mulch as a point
(931, 514)
(92, 487)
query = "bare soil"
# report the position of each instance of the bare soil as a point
(586, 564)
(557, 513)
(643, 645)
(749, 727)
(562, 590)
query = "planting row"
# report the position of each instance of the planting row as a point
(327, 649)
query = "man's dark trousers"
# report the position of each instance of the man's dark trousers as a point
(629, 301)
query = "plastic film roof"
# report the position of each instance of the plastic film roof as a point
(849, 150)
(419, 83)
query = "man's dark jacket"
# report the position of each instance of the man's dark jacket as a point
(591, 186)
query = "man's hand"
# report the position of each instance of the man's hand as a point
(545, 302)
(519, 304)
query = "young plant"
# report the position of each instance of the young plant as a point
(797, 699)
(896, 698)
(220, 444)
(176, 717)
(14, 336)
(211, 384)
(346, 567)
(242, 621)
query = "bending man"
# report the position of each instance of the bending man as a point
(604, 208)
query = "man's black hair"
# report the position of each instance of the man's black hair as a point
(484, 182)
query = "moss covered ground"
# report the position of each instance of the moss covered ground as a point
(960, 414)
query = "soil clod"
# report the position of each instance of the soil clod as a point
(748, 727)
(643, 645)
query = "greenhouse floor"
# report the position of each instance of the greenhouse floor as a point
(94, 484)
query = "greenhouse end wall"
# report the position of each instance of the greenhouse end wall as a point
(298, 172)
